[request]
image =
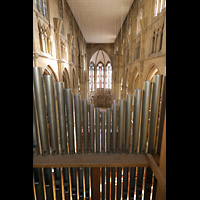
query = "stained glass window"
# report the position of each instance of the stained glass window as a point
(108, 76)
(42, 7)
(100, 75)
(91, 76)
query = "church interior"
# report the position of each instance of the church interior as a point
(99, 99)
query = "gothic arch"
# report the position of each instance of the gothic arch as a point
(153, 70)
(49, 71)
(135, 78)
(66, 79)
(96, 48)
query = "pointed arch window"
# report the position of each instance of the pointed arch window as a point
(161, 37)
(108, 76)
(159, 5)
(91, 76)
(100, 75)
(42, 7)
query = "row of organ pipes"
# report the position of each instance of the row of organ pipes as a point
(63, 124)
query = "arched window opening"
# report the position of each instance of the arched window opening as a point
(151, 72)
(159, 5)
(121, 85)
(108, 76)
(49, 71)
(42, 7)
(161, 38)
(91, 76)
(100, 75)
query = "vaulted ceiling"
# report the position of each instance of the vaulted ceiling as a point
(100, 20)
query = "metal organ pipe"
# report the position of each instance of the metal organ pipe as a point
(49, 85)
(108, 124)
(121, 123)
(103, 131)
(36, 150)
(114, 127)
(77, 103)
(97, 114)
(69, 106)
(85, 124)
(91, 121)
(128, 122)
(136, 119)
(145, 115)
(40, 104)
(154, 111)
(61, 116)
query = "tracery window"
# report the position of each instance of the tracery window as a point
(91, 76)
(159, 5)
(42, 7)
(108, 76)
(100, 71)
(100, 75)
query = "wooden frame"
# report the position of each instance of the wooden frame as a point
(102, 160)
(91, 160)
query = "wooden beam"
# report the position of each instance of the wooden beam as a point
(91, 160)
(157, 172)
(160, 194)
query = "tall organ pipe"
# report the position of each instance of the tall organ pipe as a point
(85, 124)
(154, 111)
(103, 131)
(121, 123)
(162, 114)
(36, 150)
(61, 116)
(128, 122)
(108, 123)
(69, 106)
(145, 115)
(97, 118)
(91, 121)
(40, 104)
(136, 119)
(114, 127)
(51, 112)
(77, 103)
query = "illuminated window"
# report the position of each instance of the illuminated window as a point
(159, 5)
(91, 76)
(42, 7)
(100, 75)
(121, 85)
(108, 76)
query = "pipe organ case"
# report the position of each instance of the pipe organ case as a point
(63, 123)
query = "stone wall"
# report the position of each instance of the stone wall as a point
(59, 44)
(135, 54)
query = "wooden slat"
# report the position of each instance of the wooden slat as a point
(91, 160)
(157, 172)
